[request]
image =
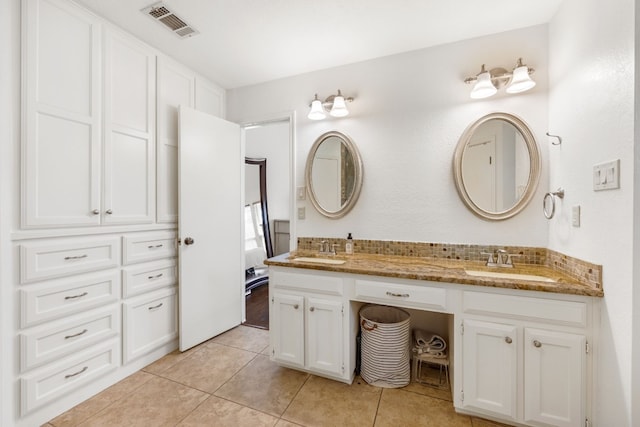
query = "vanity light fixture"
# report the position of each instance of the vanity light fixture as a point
(335, 105)
(486, 83)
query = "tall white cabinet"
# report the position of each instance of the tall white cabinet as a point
(95, 268)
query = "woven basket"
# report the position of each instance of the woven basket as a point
(385, 356)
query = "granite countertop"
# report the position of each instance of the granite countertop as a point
(441, 270)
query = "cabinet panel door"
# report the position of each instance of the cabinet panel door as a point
(489, 367)
(176, 86)
(554, 377)
(129, 150)
(324, 336)
(287, 324)
(61, 98)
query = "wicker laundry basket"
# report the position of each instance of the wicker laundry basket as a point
(385, 354)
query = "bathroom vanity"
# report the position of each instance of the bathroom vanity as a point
(521, 343)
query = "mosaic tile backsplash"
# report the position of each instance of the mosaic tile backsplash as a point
(583, 271)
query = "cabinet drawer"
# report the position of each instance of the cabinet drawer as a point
(306, 282)
(571, 313)
(57, 258)
(149, 321)
(149, 277)
(425, 297)
(45, 344)
(148, 246)
(56, 380)
(67, 296)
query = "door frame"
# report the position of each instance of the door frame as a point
(290, 119)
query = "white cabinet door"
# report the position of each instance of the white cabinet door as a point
(61, 139)
(176, 86)
(287, 328)
(554, 377)
(129, 129)
(489, 367)
(324, 336)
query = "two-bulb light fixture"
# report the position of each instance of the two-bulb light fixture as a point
(487, 82)
(334, 105)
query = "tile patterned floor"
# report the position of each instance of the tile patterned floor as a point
(229, 381)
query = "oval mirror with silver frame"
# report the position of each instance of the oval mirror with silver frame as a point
(496, 166)
(333, 174)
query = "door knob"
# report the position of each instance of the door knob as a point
(189, 241)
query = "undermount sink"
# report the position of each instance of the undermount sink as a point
(502, 275)
(320, 260)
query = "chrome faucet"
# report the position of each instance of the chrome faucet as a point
(502, 259)
(327, 249)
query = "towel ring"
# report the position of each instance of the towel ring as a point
(559, 193)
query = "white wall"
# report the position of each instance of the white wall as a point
(409, 112)
(591, 105)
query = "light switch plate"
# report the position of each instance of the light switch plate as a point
(301, 193)
(606, 176)
(301, 212)
(575, 216)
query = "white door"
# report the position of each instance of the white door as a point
(489, 367)
(129, 126)
(210, 169)
(554, 377)
(479, 173)
(287, 328)
(324, 337)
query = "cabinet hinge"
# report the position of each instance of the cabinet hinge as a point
(587, 423)
(271, 300)
(462, 395)
(587, 347)
(461, 328)
(343, 368)
(342, 310)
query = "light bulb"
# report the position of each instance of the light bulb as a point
(339, 108)
(316, 112)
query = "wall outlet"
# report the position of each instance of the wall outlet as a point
(301, 193)
(575, 216)
(606, 176)
(302, 212)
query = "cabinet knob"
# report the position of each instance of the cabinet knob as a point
(95, 212)
(508, 340)
(108, 211)
(295, 306)
(537, 343)
(189, 241)
(312, 309)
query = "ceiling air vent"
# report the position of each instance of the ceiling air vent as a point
(161, 13)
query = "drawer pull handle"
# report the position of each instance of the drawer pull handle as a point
(155, 246)
(67, 258)
(537, 344)
(393, 294)
(77, 373)
(76, 335)
(508, 340)
(155, 306)
(84, 294)
(366, 327)
(157, 276)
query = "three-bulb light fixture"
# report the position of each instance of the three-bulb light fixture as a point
(334, 105)
(487, 82)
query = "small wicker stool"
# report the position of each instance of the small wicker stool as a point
(425, 358)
